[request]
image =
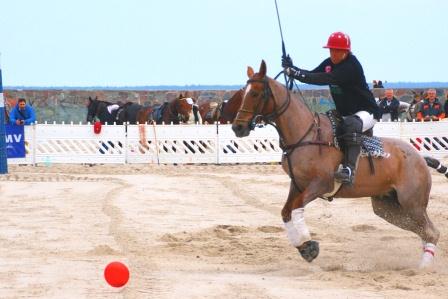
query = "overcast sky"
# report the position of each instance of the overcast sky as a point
(178, 42)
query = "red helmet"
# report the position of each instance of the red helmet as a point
(339, 40)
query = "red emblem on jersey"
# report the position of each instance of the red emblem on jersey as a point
(328, 69)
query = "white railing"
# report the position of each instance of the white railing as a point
(68, 143)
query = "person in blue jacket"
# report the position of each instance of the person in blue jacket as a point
(22, 114)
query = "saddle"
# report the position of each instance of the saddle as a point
(371, 146)
(211, 111)
(120, 112)
(157, 114)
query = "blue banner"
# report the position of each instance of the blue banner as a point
(15, 141)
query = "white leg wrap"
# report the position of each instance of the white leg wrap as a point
(429, 250)
(296, 228)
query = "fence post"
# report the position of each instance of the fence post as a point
(217, 148)
(3, 152)
(34, 143)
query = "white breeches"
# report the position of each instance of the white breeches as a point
(367, 120)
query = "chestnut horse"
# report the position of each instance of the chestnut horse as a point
(399, 189)
(176, 111)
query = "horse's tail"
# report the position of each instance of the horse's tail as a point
(437, 165)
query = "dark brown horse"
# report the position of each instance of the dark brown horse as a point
(118, 113)
(399, 189)
(228, 109)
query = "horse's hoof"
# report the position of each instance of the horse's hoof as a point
(309, 250)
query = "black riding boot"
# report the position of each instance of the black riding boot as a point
(346, 174)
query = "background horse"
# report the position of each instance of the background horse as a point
(224, 112)
(399, 189)
(107, 112)
(228, 109)
(207, 112)
(176, 111)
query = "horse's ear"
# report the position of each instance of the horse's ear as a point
(262, 69)
(90, 99)
(96, 98)
(250, 72)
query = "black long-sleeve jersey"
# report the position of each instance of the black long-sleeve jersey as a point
(347, 83)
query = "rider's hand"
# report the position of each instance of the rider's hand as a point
(292, 72)
(287, 62)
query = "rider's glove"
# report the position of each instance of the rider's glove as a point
(287, 62)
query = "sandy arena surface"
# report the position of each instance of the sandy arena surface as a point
(200, 232)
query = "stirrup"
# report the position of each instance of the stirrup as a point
(344, 175)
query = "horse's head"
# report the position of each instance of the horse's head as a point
(256, 102)
(92, 108)
(184, 107)
(229, 108)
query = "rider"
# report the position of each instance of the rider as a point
(350, 92)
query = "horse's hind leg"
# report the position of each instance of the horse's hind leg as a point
(411, 216)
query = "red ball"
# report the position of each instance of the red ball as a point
(116, 274)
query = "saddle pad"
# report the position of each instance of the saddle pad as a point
(373, 146)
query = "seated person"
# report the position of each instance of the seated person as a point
(389, 106)
(431, 108)
(22, 114)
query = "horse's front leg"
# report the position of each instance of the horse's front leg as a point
(293, 216)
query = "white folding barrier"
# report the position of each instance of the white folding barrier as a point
(166, 144)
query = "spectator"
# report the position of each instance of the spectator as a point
(377, 84)
(22, 114)
(389, 106)
(431, 108)
(415, 107)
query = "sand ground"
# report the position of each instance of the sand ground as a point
(200, 232)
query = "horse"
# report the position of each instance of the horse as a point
(399, 188)
(107, 112)
(224, 112)
(228, 109)
(207, 110)
(176, 111)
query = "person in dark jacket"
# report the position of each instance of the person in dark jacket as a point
(389, 105)
(22, 114)
(350, 92)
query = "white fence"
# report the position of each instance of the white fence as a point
(166, 144)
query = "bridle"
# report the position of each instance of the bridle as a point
(266, 96)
